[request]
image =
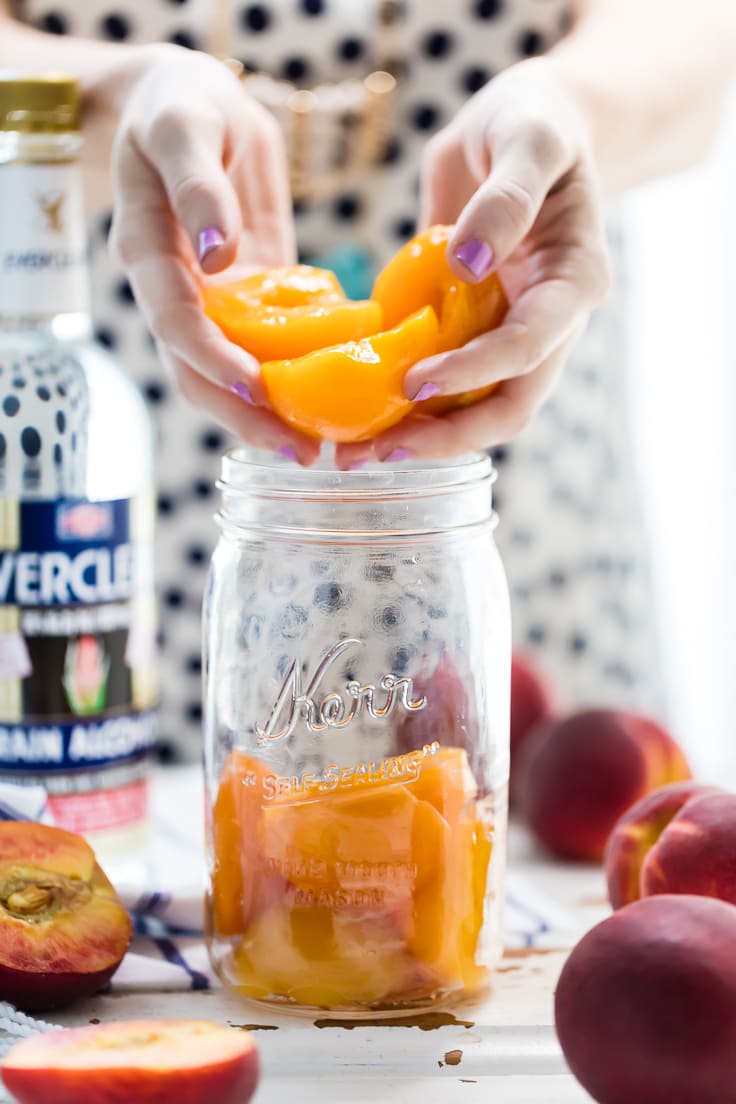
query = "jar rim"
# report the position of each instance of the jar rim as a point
(248, 471)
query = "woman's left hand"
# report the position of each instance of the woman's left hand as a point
(515, 172)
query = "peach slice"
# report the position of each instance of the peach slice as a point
(146, 1061)
(420, 276)
(351, 390)
(328, 958)
(241, 888)
(446, 782)
(326, 843)
(63, 928)
(282, 313)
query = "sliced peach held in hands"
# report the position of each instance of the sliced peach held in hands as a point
(288, 312)
(63, 928)
(353, 391)
(579, 774)
(419, 276)
(187, 1061)
(334, 368)
(637, 832)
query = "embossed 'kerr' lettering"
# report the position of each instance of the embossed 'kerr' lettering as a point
(335, 709)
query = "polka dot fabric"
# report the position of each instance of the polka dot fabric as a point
(570, 533)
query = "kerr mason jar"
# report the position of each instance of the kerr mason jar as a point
(357, 659)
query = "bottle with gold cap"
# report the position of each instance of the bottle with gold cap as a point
(77, 613)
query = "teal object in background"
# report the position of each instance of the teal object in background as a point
(354, 267)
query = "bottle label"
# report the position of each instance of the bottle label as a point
(77, 642)
(43, 240)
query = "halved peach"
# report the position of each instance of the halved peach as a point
(419, 276)
(63, 928)
(353, 390)
(142, 1061)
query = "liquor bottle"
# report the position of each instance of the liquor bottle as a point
(77, 609)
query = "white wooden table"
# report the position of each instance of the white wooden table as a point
(504, 1050)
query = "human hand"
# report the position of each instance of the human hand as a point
(514, 171)
(201, 183)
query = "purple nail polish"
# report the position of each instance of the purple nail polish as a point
(210, 238)
(476, 255)
(426, 391)
(243, 391)
(398, 454)
(287, 452)
(357, 465)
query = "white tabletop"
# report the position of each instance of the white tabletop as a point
(504, 1050)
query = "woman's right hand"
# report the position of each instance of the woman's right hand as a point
(201, 183)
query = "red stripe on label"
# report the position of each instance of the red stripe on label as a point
(94, 812)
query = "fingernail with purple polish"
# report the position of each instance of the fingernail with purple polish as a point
(357, 465)
(476, 255)
(243, 391)
(398, 454)
(210, 238)
(426, 391)
(287, 452)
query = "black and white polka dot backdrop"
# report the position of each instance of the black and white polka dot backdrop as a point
(570, 531)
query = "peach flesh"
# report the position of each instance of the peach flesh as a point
(63, 929)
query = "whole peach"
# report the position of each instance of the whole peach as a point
(636, 832)
(696, 853)
(531, 701)
(645, 1006)
(580, 773)
(449, 717)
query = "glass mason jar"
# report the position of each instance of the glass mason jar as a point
(357, 670)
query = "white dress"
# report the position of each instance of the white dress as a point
(570, 532)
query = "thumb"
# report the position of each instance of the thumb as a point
(188, 156)
(501, 212)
